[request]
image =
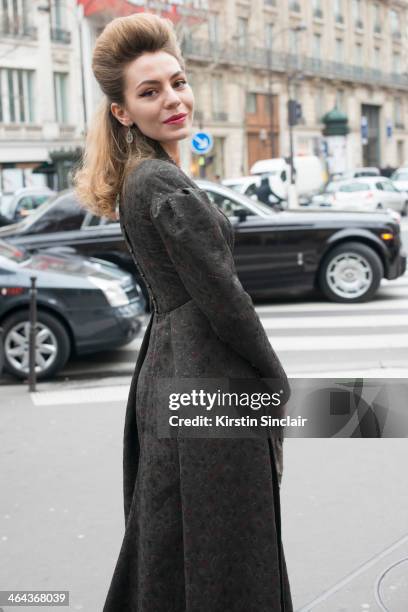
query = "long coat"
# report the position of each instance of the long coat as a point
(202, 516)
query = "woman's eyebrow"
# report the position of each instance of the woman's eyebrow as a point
(153, 81)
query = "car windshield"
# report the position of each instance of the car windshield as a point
(400, 176)
(349, 187)
(17, 255)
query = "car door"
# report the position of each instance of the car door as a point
(391, 196)
(261, 257)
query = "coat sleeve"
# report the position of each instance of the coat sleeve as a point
(196, 246)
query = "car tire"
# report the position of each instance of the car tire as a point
(350, 273)
(55, 343)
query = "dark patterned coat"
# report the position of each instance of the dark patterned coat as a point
(202, 516)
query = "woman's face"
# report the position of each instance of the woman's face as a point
(148, 104)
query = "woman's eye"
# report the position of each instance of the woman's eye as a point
(147, 93)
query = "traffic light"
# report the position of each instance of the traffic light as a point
(294, 112)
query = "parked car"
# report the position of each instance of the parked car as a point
(368, 193)
(343, 254)
(359, 172)
(400, 179)
(23, 202)
(83, 306)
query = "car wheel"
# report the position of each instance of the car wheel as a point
(52, 345)
(404, 211)
(350, 272)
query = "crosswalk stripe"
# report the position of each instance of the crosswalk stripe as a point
(331, 342)
(80, 396)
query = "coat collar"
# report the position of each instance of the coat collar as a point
(161, 153)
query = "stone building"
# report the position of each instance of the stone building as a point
(244, 59)
(41, 109)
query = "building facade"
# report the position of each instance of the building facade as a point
(41, 110)
(245, 58)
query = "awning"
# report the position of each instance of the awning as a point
(44, 168)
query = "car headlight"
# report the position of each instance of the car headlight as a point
(112, 290)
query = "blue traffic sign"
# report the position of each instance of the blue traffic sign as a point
(201, 142)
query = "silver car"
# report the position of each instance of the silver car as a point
(23, 202)
(365, 193)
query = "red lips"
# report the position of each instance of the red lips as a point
(173, 117)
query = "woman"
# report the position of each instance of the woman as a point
(202, 521)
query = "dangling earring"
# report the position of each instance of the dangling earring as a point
(129, 136)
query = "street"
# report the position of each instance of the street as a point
(344, 504)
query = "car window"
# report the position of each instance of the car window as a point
(13, 253)
(227, 205)
(251, 190)
(31, 202)
(235, 186)
(351, 187)
(400, 176)
(64, 215)
(388, 186)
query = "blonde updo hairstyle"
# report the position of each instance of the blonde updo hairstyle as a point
(108, 157)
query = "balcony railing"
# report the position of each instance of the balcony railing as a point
(294, 6)
(17, 31)
(219, 116)
(60, 35)
(261, 58)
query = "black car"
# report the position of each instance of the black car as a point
(83, 306)
(344, 254)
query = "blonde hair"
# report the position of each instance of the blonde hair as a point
(108, 157)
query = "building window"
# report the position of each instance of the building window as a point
(317, 9)
(357, 15)
(340, 100)
(213, 28)
(251, 102)
(268, 35)
(217, 97)
(293, 42)
(359, 54)
(394, 24)
(339, 50)
(60, 97)
(317, 46)
(16, 93)
(398, 113)
(14, 16)
(242, 31)
(270, 2)
(294, 6)
(377, 18)
(396, 63)
(319, 104)
(400, 152)
(338, 11)
(377, 57)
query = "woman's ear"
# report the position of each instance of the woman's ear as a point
(120, 114)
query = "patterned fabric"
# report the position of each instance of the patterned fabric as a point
(202, 516)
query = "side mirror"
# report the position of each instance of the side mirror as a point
(241, 213)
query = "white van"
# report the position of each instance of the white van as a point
(310, 174)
